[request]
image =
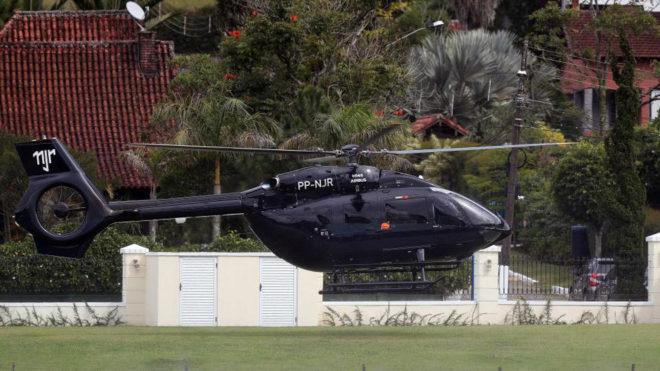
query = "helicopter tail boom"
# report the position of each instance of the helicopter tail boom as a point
(64, 211)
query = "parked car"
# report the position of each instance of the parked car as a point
(594, 280)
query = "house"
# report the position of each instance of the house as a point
(89, 78)
(438, 125)
(579, 77)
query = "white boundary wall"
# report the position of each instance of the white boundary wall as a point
(151, 294)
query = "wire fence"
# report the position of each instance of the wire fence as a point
(621, 278)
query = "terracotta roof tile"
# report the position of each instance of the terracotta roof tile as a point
(423, 123)
(580, 36)
(76, 76)
(48, 26)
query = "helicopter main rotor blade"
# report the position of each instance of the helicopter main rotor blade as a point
(266, 151)
(321, 160)
(462, 149)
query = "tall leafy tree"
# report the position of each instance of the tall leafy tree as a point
(154, 165)
(12, 181)
(201, 108)
(355, 124)
(476, 13)
(631, 194)
(546, 35)
(584, 189)
(470, 76)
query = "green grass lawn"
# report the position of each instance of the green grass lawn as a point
(613, 347)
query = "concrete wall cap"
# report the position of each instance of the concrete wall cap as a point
(653, 238)
(494, 248)
(133, 249)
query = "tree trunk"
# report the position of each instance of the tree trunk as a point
(598, 241)
(153, 224)
(602, 108)
(6, 224)
(217, 189)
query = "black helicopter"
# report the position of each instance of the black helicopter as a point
(337, 219)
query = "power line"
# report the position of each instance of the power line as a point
(559, 55)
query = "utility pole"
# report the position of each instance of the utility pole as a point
(521, 97)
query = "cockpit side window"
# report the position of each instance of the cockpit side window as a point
(445, 220)
(359, 213)
(445, 213)
(410, 211)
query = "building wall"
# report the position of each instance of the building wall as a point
(151, 296)
(238, 293)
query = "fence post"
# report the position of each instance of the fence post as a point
(486, 292)
(653, 275)
(134, 269)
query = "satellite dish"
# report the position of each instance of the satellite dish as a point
(135, 10)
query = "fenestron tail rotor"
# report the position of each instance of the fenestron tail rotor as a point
(61, 210)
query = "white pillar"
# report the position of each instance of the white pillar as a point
(486, 291)
(653, 272)
(134, 268)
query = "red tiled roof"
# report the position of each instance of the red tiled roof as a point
(581, 36)
(60, 76)
(102, 25)
(423, 123)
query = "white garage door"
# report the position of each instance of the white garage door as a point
(277, 303)
(198, 291)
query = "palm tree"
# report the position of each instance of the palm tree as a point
(355, 124)
(470, 76)
(476, 13)
(153, 165)
(205, 114)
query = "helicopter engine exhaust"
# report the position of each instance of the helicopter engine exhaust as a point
(270, 183)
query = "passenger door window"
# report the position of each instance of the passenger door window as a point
(405, 214)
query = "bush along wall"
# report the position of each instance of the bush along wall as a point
(27, 276)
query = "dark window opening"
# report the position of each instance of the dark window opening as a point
(415, 211)
(444, 219)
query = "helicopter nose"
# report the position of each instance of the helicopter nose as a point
(495, 233)
(492, 227)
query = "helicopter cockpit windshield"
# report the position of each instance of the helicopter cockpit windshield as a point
(478, 214)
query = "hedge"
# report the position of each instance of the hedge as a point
(25, 274)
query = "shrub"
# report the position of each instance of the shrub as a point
(23, 272)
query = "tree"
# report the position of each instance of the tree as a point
(546, 35)
(470, 76)
(12, 181)
(153, 164)
(204, 113)
(277, 49)
(583, 188)
(609, 27)
(476, 13)
(355, 124)
(647, 148)
(621, 23)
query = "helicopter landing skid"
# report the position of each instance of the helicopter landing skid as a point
(349, 279)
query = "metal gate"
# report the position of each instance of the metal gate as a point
(198, 277)
(277, 297)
